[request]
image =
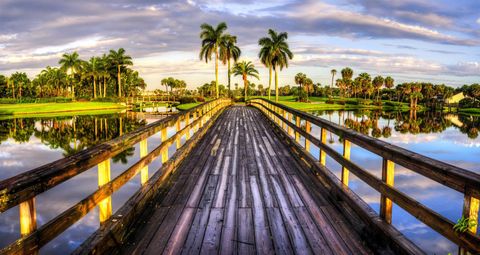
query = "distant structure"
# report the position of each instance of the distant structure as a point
(455, 98)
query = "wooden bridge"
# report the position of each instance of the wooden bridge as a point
(241, 180)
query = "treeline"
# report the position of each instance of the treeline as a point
(103, 76)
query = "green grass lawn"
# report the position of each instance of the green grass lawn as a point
(38, 109)
(184, 107)
(318, 103)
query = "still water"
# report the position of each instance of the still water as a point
(31, 142)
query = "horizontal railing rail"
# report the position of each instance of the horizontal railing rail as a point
(461, 180)
(22, 189)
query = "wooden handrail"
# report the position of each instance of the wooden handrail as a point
(48, 231)
(450, 176)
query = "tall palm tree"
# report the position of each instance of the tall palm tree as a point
(300, 80)
(265, 57)
(333, 72)
(212, 39)
(279, 53)
(377, 84)
(347, 74)
(92, 69)
(71, 64)
(245, 69)
(120, 60)
(229, 50)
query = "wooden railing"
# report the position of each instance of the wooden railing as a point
(466, 182)
(22, 189)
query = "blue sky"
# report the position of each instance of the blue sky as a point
(436, 41)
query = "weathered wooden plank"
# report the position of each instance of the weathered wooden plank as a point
(228, 243)
(262, 230)
(246, 240)
(211, 239)
(280, 238)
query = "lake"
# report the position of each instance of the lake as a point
(31, 142)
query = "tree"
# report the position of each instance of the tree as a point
(377, 84)
(279, 53)
(92, 70)
(333, 72)
(245, 69)
(300, 80)
(71, 64)
(265, 58)
(347, 74)
(119, 60)
(365, 83)
(473, 91)
(228, 50)
(212, 39)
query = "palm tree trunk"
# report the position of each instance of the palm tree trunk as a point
(276, 85)
(331, 86)
(216, 72)
(245, 84)
(104, 87)
(119, 82)
(229, 88)
(94, 88)
(269, 81)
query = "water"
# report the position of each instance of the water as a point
(450, 138)
(32, 142)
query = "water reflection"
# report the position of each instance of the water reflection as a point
(447, 137)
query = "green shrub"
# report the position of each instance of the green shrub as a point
(377, 103)
(239, 100)
(352, 102)
(187, 100)
(28, 100)
(363, 102)
(341, 102)
(468, 103)
(106, 99)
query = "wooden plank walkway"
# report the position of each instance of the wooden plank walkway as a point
(241, 191)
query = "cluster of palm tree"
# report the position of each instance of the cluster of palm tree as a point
(172, 83)
(102, 76)
(305, 85)
(274, 54)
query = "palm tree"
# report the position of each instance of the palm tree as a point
(228, 50)
(279, 53)
(347, 74)
(333, 72)
(212, 39)
(300, 80)
(92, 69)
(377, 84)
(120, 60)
(265, 55)
(71, 64)
(388, 84)
(245, 69)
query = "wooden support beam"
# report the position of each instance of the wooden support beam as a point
(28, 217)
(323, 140)
(388, 176)
(164, 151)
(143, 153)
(178, 128)
(346, 155)
(284, 113)
(187, 122)
(105, 206)
(470, 210)
(297, 134)
(308, 129)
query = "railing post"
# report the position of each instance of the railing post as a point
(323, 139)
(28, 217)
(346, 155)
(290, 129)
(178, 128)
(308, 128)
(195, 128)
(164, 151)
(285, 117)
(143, 153)
(187, 123)
(105, 206)
(297, 134)
(388, 176)
(470, 210)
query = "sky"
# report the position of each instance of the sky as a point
(410, 40)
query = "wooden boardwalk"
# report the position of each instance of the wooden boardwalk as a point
(241, 191)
